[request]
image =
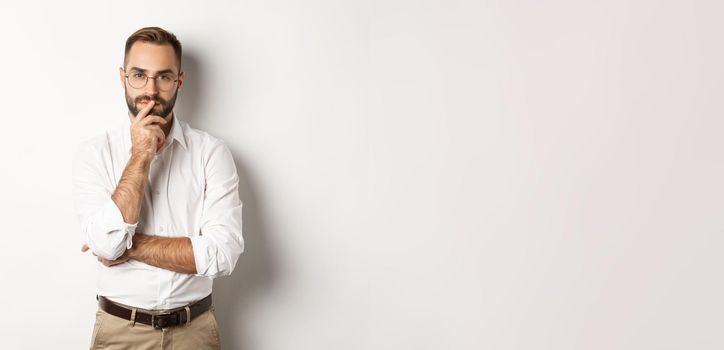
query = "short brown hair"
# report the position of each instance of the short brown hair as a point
(154, 35)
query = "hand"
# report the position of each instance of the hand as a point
(147, 137)
(108, 263)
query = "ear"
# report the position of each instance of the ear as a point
(122, 75)
(181, 76)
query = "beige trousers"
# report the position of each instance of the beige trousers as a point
(114, 333)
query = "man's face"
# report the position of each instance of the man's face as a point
(152, 60)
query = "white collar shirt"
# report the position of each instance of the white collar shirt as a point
(192, 191)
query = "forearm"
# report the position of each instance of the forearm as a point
(170, 253)
(128, 195)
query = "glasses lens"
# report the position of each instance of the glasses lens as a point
(137, 80)
(165, 82)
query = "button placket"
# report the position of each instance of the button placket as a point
(161, 178)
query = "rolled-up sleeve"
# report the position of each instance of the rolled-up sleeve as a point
(220, 242)
(101, 222)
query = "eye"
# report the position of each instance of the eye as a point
(138, 75)
(165, 77)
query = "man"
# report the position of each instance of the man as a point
(158, 205)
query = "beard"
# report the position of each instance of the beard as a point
(161, 107)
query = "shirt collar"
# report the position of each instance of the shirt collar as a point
(176, 133)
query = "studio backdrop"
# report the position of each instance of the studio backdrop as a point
(415, 174)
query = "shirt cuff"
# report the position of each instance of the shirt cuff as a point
(112, 220)
(204, 255)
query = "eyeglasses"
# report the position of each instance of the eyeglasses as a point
(138, 80)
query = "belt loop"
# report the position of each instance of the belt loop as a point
(188, 315)
(132, 321)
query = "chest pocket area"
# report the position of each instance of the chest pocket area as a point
(186, 200)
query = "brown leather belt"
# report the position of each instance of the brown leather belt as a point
(158, 321)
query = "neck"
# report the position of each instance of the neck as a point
(167, 127)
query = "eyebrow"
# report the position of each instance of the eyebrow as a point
(145, 71)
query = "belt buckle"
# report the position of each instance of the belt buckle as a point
(161, 321)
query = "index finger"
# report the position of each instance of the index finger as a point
(144, 112)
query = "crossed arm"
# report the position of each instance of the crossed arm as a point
(170, 253)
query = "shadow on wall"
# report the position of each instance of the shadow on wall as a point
(190, 99)
(254, 270)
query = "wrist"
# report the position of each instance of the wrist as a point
(133, 252)
(141, 156)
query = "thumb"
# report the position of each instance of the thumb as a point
(84, 248)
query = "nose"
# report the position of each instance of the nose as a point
(151, 87)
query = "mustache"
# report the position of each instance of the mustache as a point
(157, 100)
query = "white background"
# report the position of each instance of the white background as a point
(415, 174)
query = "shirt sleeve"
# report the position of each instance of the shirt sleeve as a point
(220, 242)
(101, 222)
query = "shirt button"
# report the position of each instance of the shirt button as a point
(157, 192)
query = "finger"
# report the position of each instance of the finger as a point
(144, 112)
(115, 262)
(152, 120)
(84, 248)
(158, 134)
